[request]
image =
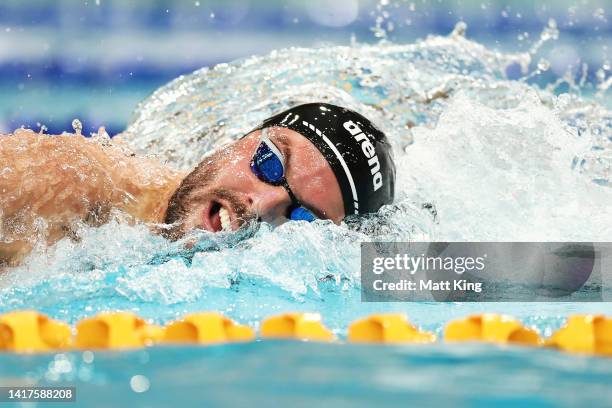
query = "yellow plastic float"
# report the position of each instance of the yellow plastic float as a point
(387, 328)
(115, 330)
(206, 328)
(584, 334)
(29, 331)
(492, 328)
(302, 326)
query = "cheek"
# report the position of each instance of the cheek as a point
(323, 191)
(235, 174)
(317, 193)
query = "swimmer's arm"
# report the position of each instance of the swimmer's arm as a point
(48, 182)
(44, 186)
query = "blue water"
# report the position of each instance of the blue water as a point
(110, 64)
(279, 373)
(472, 153)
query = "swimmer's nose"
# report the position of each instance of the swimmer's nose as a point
(270, 203)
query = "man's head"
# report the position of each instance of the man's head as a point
(334, 163)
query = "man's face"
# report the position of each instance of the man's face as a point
(223, 185)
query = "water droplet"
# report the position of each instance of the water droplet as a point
(459, 30)
(543, 64)
(197, 4)
(599, 14)
(88, 357)
(550, 32)
(601, 74)
(77, 126)
(139, 383)
(212, 15)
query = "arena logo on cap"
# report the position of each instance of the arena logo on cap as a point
(368, 150)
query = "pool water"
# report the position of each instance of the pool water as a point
(279, 373)
(498, 160)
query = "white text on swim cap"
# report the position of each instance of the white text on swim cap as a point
(368, 150)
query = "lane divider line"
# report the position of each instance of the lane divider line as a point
(28, 331)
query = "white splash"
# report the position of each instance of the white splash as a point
(479, 157)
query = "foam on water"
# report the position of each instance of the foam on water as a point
(479, 157)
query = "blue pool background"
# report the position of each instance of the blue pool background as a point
(96, 60)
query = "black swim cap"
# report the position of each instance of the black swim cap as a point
(359, 154)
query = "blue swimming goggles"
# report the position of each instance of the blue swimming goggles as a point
(268, 164)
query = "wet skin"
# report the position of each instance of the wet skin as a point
(66, 179)
(247, 197)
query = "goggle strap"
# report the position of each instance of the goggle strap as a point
(294, 200)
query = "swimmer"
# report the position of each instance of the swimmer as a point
(314, 161)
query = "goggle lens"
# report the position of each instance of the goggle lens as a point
(268, 166)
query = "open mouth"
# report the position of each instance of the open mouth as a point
(217, 217)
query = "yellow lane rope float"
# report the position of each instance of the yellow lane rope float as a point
(29, 331)
(387, 328)
(494, 328)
